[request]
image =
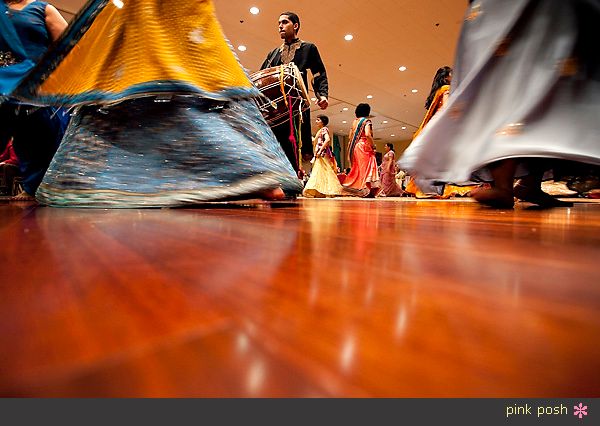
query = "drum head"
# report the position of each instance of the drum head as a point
(259, 75)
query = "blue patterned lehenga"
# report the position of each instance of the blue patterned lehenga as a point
(163, 114)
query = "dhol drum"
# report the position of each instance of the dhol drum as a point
(281, 86)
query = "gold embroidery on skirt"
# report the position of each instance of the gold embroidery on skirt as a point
(6, 59)
(511, 129)
(568, 67)
(502, 48)
(475, 12)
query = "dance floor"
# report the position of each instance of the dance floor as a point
(312, 298)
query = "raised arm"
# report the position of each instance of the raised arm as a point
(320, 83)
(55, 23)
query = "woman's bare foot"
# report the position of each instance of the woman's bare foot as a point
(495, 198)
(594, 193)
(273, 194)
(22, 196)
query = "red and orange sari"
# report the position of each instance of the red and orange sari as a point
(363, 175)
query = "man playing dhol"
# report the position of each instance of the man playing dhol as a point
(306, 57)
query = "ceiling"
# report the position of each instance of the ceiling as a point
(418, 34)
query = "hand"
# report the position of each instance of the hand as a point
(323, 102)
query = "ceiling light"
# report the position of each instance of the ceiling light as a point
(242, 48)
(414, 90)
(403, 127)
(345, 108)
(344, 122)
(385, 122)
(254, 10)
(118, 3)
(392, 136)
(402, 68)
(348, 37)
(369, 96)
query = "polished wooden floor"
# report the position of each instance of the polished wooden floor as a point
(314, 298)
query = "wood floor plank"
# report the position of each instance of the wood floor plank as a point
(334, 297)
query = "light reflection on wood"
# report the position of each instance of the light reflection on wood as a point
(313, 298)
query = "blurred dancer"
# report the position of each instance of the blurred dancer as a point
(27, 28)
(526, 90)
(164, 115)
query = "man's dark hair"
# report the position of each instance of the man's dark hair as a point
(390, 146)
(362, 110)
(293, 17)
(324, 119)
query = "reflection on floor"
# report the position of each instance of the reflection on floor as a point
(397, 298)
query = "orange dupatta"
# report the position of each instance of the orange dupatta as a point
(436, 105)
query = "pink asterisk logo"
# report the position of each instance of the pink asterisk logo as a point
(580, 410)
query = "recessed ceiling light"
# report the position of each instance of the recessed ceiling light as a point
(344, 122)
(345, 108)
(402, 68)
(118, 4)
(242, 48)
(369, 96)
(348, 37)
(254, 10)
(403, 127)
(385, 122)
(414, 90)
(392, 136)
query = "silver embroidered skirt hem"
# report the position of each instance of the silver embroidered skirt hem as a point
(150, 153)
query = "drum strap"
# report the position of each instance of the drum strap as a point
(296, 143)
(292, 137)
(282, 83)
(299, 133)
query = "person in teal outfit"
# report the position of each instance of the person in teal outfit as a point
(27, 29)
